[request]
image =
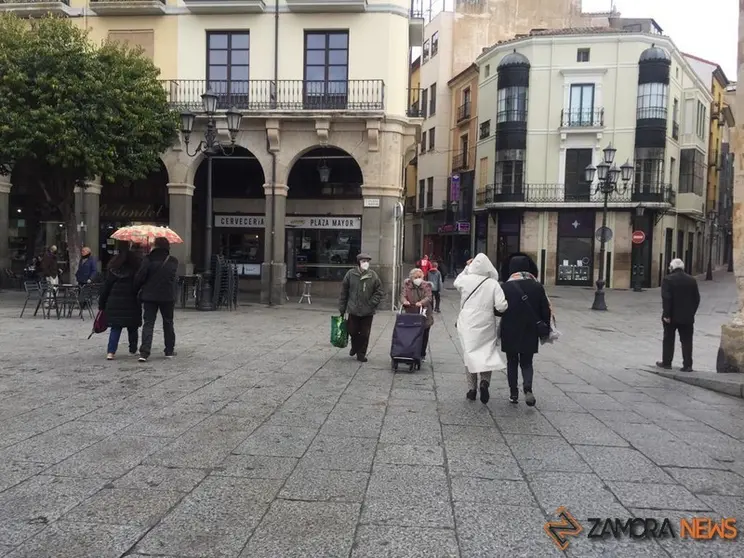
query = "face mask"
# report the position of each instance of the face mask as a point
(364, 266)
(418, 281)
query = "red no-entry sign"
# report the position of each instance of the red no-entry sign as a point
(638, 237)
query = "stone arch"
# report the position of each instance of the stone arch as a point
(345, 176)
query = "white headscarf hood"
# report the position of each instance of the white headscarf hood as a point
(482, 266)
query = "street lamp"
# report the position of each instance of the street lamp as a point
(607, 175)
(712, 215)
(209, 146)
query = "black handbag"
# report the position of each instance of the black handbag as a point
(543, 329)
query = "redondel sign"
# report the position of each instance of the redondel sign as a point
(638, 237)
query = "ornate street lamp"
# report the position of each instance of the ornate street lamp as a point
(209, 147)
(712, 216)
(607, 174)
(324, 172)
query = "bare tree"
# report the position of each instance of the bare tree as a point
(731, 351)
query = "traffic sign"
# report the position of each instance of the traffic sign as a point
(603, 233)
(638, 237)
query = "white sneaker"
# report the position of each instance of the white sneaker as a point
(110, 356)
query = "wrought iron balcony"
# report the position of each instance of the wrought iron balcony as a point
(582, 118)
(460, 161)
(364, 95)
(463, 111)
(415, 109)
(545, 194)
(653, 193)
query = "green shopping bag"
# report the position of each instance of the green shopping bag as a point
(339, 334)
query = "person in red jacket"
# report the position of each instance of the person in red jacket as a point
(425, 266)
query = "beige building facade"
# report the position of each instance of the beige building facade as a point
(316, 174)
(554, 100)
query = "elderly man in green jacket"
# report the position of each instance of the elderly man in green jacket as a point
(361, 294)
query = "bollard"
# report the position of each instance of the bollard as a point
(638, 273)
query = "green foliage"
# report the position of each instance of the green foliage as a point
(71, 111)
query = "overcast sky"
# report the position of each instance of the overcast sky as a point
(707, 29)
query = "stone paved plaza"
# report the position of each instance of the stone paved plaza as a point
(260, 440)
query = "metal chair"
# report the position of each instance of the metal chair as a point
(86, 298)
(306, 293)
(35, 293)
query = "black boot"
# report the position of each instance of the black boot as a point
(471, 394)
(514, 396)
(484, 395)
(529, 398)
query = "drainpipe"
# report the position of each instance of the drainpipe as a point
(272, 251)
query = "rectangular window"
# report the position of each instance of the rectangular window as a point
(432, 138)
(423, 142)
(425, 54)
(672, 170)
(422, 193)
(582, 55)
(581, 110)
(424, 102)
(326, 69)
(692, 171)
(434, 44)
(482, 173)
(433, 100)
(576, 188)
(487, 70)
(228, 66)
(512, 104)
(702, 116)
(652, 101)
(510, 177)
(675, 119)
(430, 192)
(485, 129)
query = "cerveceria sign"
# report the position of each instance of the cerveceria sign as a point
(291, 221)
(133, 213)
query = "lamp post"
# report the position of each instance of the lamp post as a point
(209, 146)
(607, 175)
(712, 215)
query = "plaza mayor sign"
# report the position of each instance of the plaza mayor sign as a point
(290, 221)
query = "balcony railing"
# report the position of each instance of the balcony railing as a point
(577, 194)
(582, 118)
(288, 94)
(463, 111)
(415, 109)
(12, 2)
(675, 130)
(656, 113)
(653, 193)
(460, 161)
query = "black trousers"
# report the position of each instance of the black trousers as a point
(359, 328)
(150, 312)
(515, 361)
(425, 342)
(685, 338)
(437, 300)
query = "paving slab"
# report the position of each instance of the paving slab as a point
(272, 443)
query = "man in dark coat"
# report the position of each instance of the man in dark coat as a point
(119, 300)
(156, 284)
(361, 294)
(49, 267)
(528, 304)
(680, 299)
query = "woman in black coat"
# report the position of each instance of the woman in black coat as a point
(519, 337)
(119, 300)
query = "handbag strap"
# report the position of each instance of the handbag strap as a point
(472, 293)
(526, 302)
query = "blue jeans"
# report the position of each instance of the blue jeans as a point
(115, 335)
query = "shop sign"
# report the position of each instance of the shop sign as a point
(242, 221)
(446, 229)
(249, 269)
(312, 222)
(455, 188)
(463, 226)
(132, 213)
(371, 202)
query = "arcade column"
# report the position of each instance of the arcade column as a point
(180, 217)
(4, 225)
(274, 271)
(87, 211)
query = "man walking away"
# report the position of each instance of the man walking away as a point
(156, 284)
(50, 267)
(680, 299)
(435, 278)
(361, 294)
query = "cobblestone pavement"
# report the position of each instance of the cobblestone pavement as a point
(260, 440)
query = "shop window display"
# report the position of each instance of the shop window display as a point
(321, 254)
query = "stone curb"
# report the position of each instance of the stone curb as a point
(729, 384)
